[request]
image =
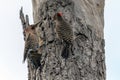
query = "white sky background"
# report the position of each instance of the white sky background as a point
(12, 43)
(112, 37)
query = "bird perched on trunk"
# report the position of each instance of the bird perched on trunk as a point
(65, 33)
(31, 40)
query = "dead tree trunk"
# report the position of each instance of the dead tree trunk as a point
(87, 56)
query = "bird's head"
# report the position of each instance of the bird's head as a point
(58, 15)
(30, 30)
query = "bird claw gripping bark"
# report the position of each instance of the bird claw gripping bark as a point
(32, 46)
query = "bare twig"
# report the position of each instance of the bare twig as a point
(22, 18)
(27, 20)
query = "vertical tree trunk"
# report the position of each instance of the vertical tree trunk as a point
(87, 57)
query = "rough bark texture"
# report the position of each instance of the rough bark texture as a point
(87, 57)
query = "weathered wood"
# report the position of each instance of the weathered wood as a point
(87, 57)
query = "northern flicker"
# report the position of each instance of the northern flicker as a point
(65, 33)
(31, 40)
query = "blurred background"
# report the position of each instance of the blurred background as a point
(12, 43)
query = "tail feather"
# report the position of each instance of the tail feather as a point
(24, 57)
(65, 51)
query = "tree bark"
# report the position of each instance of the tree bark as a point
(87, 57)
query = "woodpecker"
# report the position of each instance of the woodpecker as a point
(31, 41)
(65, 33)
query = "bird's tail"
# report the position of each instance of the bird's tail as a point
(24, 57)
(65, 51)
